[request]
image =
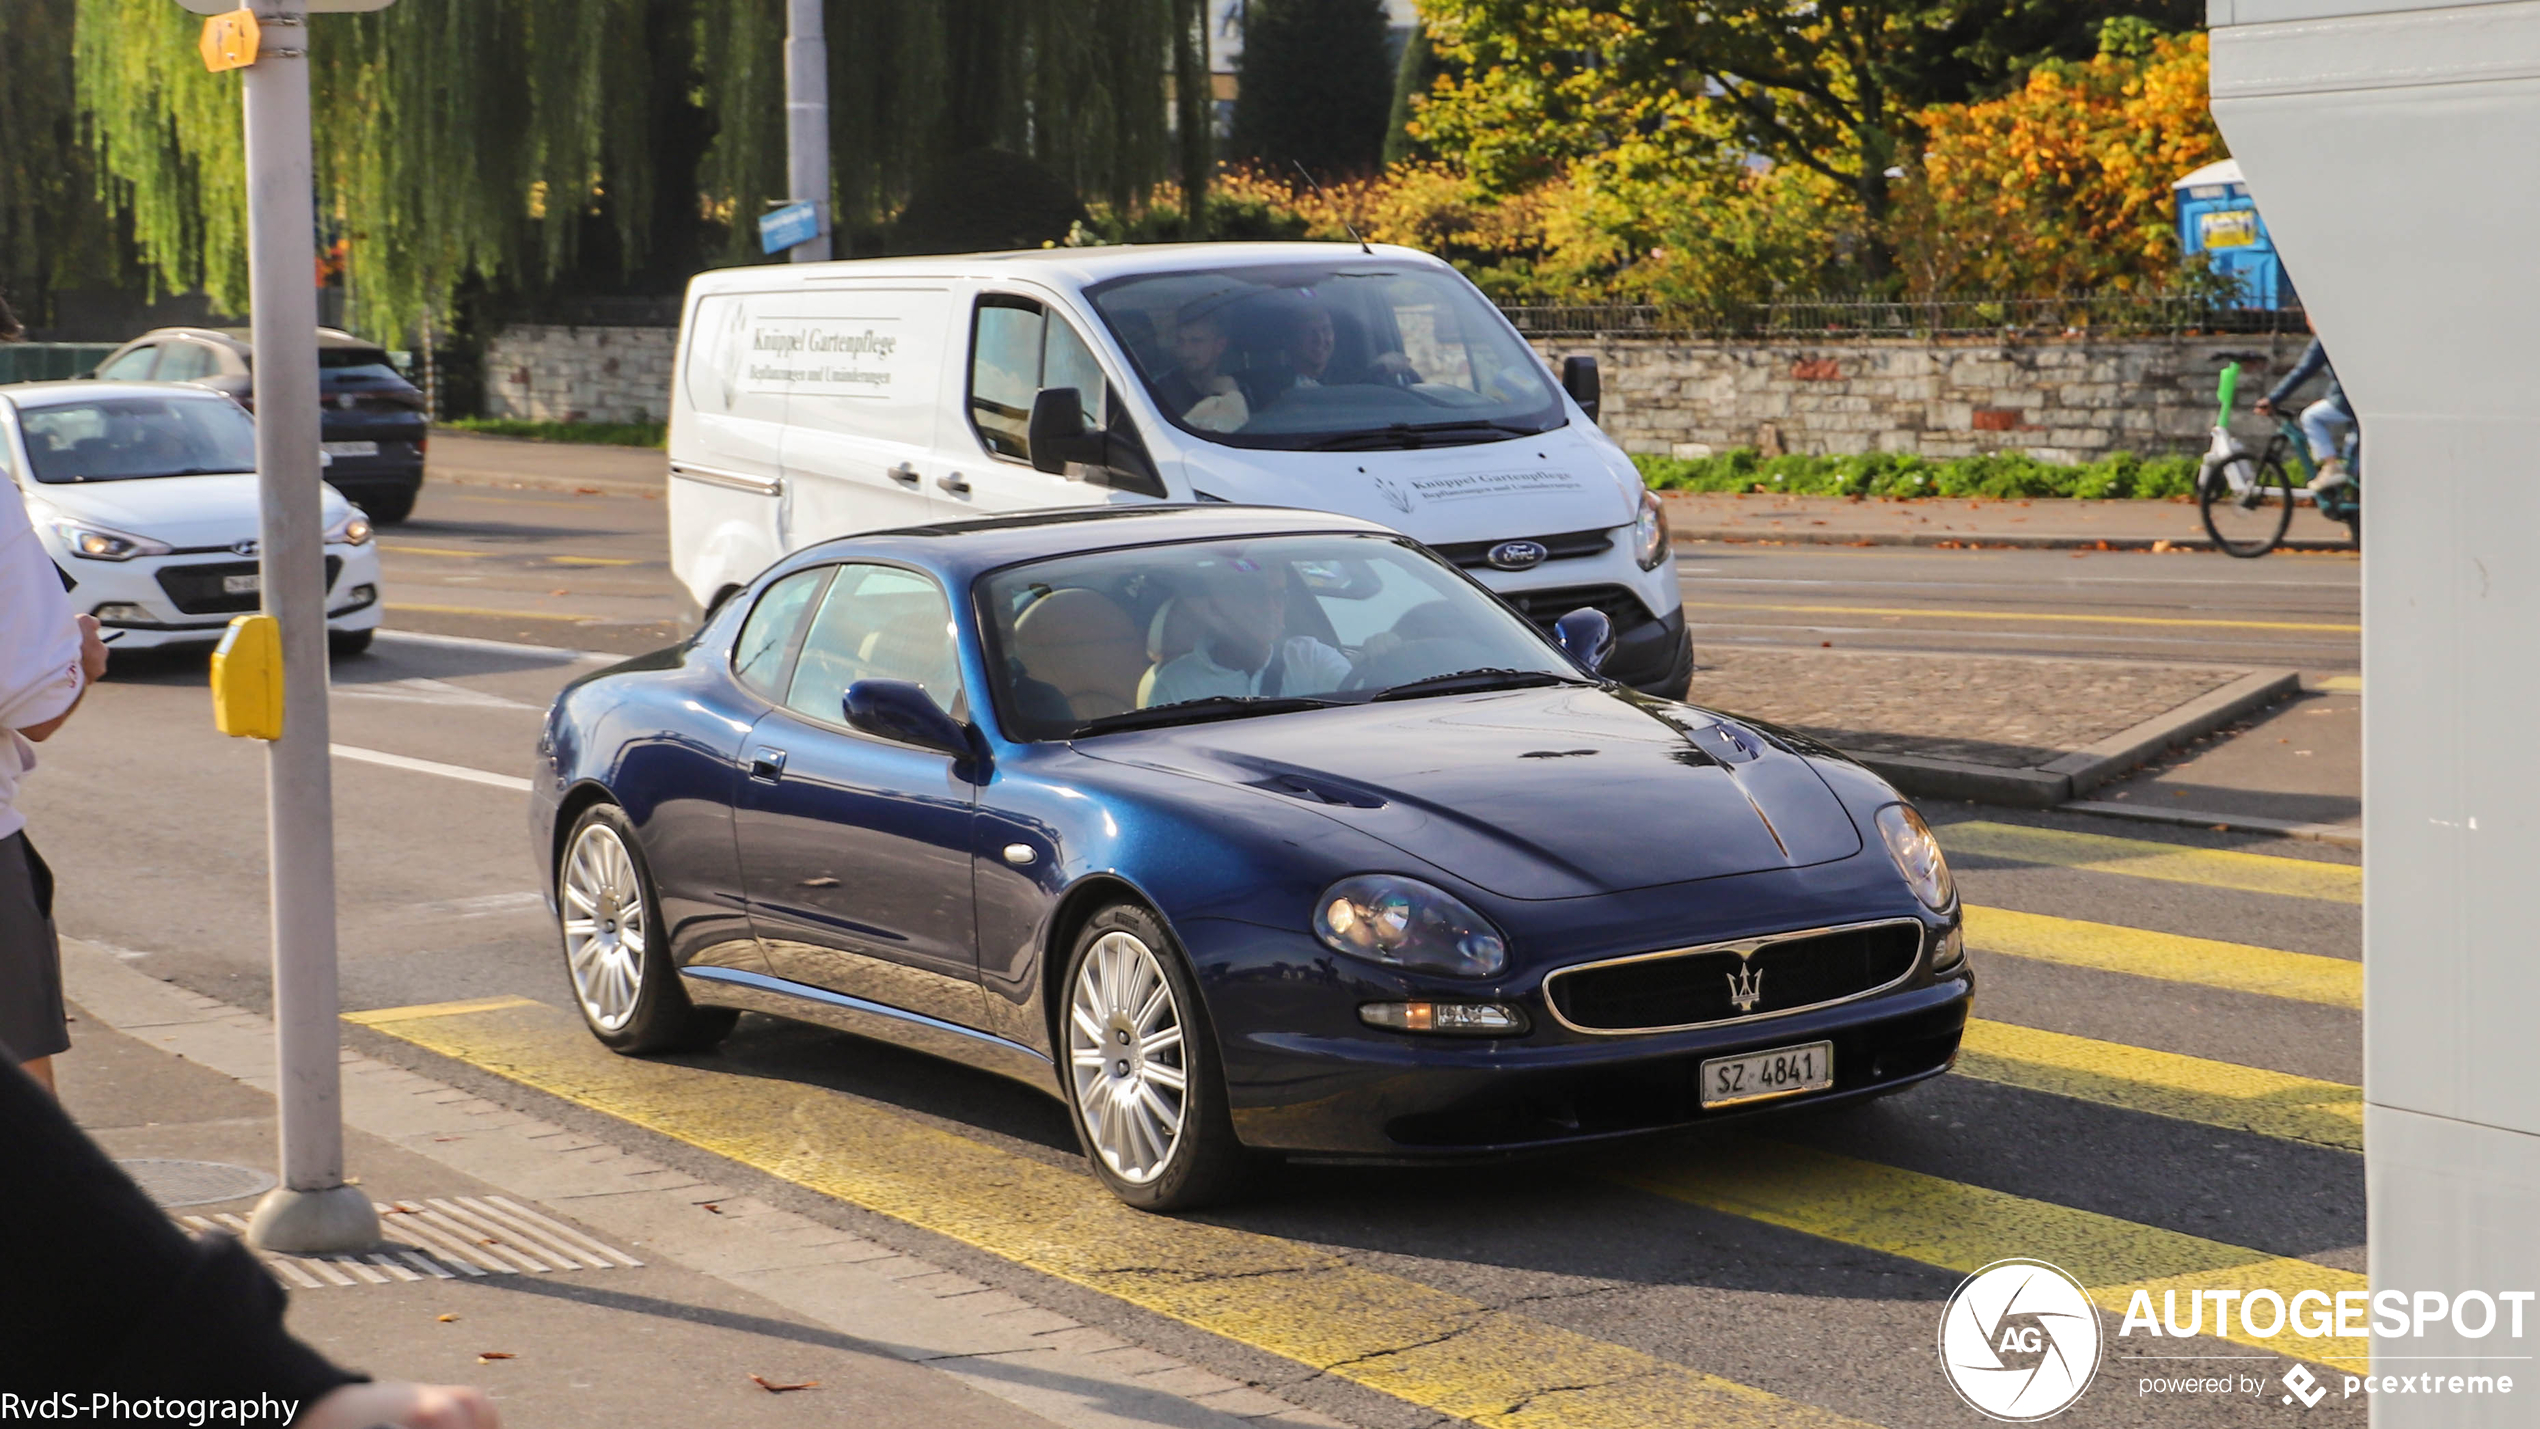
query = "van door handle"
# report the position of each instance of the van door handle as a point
(954, 482)
(905, 471)
(767, 765)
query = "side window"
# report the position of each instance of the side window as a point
(767, 642)
(183, 362)
(876, 623)
(133, 366)
(1005, 372)
(1067, 362)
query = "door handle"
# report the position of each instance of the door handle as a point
(905, 471)
(954, 482)
(767, 765)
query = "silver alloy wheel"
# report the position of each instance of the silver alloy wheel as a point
(1124, 1049)
(605, 925)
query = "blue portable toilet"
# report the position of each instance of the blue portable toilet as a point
(2217, 217)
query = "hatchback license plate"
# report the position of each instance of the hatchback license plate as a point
(349, 448)
(252, 583)
(1781, 1072)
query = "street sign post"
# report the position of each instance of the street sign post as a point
(313, 1210)
(807, 122)
(788, 227)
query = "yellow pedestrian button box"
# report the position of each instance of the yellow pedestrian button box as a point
(247, 679)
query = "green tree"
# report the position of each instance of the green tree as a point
(54, 232)
(1315, 86)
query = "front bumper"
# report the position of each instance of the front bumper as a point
(1342, 1091)
(168, 601)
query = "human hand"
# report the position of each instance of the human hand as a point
(2266, 408)
(408, 1406)
(92, 649)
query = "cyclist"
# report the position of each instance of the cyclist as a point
(2324, 422)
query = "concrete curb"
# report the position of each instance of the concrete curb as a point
(2083, 770)
(2341, 835)
(1968, 541)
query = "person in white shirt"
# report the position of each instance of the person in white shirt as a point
(1244, 648)
(48, 656)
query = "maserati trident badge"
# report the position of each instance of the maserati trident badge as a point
(1746, 987)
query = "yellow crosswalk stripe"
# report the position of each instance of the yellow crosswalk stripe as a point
(2032, 615)
(1443, 1352)
(2172, 957)
(2142, 858)
(2165, 1084)
(1961, 1227)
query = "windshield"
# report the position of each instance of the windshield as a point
(128, 438)
(1329, 356)
(1158, 635)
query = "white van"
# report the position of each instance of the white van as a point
(822, 399)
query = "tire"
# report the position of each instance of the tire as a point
(2250, 524)
(388, 508)
(343, 644)
(1157, 1147)
(628, 991)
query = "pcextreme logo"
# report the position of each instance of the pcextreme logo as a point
(2019, 1341)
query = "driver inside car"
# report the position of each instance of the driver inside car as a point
(1243, 648)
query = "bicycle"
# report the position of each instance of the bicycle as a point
(2247, 498)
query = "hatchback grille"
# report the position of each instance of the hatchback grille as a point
(1569, 545)
(1543, 607)
(196, 590)
(1691, 989)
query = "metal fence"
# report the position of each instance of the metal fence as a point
(1853, 316)
(50, 361)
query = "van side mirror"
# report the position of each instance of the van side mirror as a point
(904, 713)
(1586, 635)
(1579, 379)
(1057, 433)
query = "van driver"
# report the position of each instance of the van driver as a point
(1197, 389)
(1243, 647)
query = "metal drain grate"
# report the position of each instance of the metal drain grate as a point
(437, 1239)
(194, 1183)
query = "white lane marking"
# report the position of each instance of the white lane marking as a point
(484, 905)
(432, 766)
(551, 653)
(425, 691)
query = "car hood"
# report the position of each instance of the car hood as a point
(1556, 481)
(184, 511)
(1531, 794)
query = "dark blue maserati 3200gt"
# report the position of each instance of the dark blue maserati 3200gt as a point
(1242, 831)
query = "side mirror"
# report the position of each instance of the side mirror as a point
(902, 712)
(1586, 636)
(1057, 433)
(1579, 379)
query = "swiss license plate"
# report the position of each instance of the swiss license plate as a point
(252, 583)
(1781, 1072)
(349, 448)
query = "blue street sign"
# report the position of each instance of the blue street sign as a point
(783, 228)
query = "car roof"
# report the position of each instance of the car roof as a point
(243, 339)
(959, 551)
(1077, 267)
(55, 394)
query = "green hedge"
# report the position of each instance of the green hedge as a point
(1894, 474)
(611, 434)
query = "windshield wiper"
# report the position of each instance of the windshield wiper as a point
(1487, 677)
(1206, 707)
(1413, 434)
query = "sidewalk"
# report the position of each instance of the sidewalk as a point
(468, 459)
(583, 1285)
(2044, 522)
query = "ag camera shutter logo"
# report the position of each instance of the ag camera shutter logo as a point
(2019, 1341)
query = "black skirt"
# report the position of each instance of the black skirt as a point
(32, 1023)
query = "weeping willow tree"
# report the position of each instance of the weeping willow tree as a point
(53, 231)
(529, 147)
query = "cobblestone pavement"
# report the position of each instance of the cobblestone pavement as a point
(2008, 712)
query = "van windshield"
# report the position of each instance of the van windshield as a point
(1332, 356)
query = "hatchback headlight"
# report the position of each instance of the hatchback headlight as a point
(353, 530)
(105, 543)
(1649, 532)
(1404, 923)
(1917, 855)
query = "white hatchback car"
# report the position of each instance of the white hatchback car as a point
(145, 495)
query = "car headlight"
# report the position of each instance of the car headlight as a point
(105, 543)
(1404, 923)
(353, 530)
(1649, 532)
(1917, 855)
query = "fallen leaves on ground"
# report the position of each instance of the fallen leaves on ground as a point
(772, 1387)
(489, 1356)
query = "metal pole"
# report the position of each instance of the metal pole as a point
(312, 1210)
(807, 119)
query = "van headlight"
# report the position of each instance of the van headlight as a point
(1917, 855)
(1402, 922)
(105, 543)
(1649, 531)
(353, 530)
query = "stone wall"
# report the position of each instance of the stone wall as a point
(2068, 400)
(579, 374)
